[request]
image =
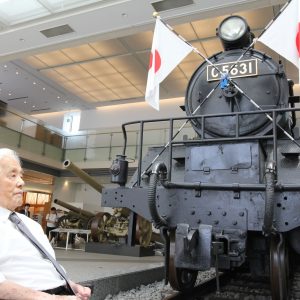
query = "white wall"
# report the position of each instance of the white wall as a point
(30, 186)
(53, 119)
(64, 190)
(90, 198)
(77, 194)
(115, 115)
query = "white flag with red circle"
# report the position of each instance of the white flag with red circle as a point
(283, 34)
(167, 51)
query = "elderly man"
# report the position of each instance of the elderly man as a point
(26, 272)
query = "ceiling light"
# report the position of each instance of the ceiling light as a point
(5, 66)
(17, 73)
(44, 89)
(33, 106)
(25, 102)
(9, 94)
(34, 83)
(13, 13)
(58, 97)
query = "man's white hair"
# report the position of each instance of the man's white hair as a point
(5, 152)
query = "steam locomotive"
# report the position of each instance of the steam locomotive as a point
(229, 198)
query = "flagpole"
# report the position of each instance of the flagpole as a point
(277, 15)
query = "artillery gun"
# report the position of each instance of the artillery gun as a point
(103, 225)
(75, 218)
(106, 227)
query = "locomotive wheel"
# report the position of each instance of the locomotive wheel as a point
(180, 279)
(144, 231)
(279, 267)
(98, 224)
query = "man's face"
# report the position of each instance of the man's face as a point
(11, 183)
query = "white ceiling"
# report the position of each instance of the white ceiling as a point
(104, 60)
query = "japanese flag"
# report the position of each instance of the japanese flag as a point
(283, 34)
(167, 51)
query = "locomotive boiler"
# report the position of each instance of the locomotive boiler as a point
(229, 198)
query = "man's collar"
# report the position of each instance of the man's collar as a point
(4, 213)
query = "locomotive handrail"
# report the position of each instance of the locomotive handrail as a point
(203, 138)
(228, 187)
(225, 139)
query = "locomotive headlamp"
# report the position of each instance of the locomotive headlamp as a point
(234, 33)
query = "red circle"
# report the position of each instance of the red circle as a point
(298, 40)
(157, 61)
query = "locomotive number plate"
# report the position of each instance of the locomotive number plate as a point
(241, 69)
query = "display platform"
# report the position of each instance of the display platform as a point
(119, 249)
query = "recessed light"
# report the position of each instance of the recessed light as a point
(9, 94)
(17, 73)
(58, 97)
(34, 83)
(25, 102)
(5, 66)
(66, 101)
(44, 89)
(33, 106)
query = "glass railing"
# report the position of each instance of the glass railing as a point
(29, 134)
(106, 145)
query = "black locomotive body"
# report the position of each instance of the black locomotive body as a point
(231, 197)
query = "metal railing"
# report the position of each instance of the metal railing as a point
(174, 138)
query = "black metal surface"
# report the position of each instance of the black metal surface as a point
(180, 279)
(131, 229)
(268, 89)
(193, 247)
(119, 249)
(279, 267)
